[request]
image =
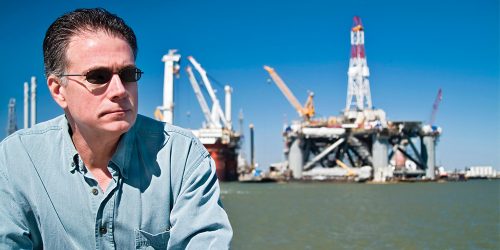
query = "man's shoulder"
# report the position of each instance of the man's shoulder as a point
(146, 125)
(152, 132)
(178, 143)
(40, 143)
(40, 130)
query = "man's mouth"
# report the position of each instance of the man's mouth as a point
(115, 112)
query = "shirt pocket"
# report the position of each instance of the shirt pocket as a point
(145, 240)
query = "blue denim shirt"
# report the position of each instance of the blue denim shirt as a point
(164, 193)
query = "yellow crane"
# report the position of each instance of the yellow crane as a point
(158, 115)
(306, 111)
(350, 172)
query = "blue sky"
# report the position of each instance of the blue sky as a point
(413, 49)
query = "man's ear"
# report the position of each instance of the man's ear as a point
(57, 91)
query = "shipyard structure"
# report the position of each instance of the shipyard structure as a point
(360, 144)
(216, 132)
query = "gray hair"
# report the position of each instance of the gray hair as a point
(61, 31)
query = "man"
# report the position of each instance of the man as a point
(101, 176)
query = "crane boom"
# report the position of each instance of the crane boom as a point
(158, 114)
(201, 99)
(350, 172)
(435, 106)
(216, 109)
(306, 112)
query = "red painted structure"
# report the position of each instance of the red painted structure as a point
(226, 160)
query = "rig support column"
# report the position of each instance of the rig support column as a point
(296, 159)
(429, 144)
(380, 158)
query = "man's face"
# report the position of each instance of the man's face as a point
(109, 107)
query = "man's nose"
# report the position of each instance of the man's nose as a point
(116, 88)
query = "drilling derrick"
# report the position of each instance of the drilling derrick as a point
(360, 144)
(358, 90)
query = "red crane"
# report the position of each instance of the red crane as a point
(435, 106)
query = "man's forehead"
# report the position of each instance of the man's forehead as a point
(86, 41)
(89, 34)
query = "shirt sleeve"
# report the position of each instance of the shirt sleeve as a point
(198, 219)
(14, 232)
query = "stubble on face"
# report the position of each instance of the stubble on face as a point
(109, 108)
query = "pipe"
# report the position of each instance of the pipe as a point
(411, 158)
(252, 156)
(33, 101)
(26, 105)
(228, 91)
(318, 157)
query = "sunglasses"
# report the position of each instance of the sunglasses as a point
(104, 75)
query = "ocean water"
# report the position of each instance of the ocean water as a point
(450, 215)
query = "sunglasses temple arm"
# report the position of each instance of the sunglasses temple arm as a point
(71, 75)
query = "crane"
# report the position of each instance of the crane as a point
(158, 114)
(12, 124)
(349, 170)
(435, 106)
(306, 112)
(201, 99)
(217, 113)
(171, 61)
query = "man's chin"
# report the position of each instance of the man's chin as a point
(119, 126)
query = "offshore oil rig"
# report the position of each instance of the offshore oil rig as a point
(360, 144)
(216, 133)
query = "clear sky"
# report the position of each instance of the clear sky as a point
(413, 49)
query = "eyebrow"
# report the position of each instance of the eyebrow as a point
(105, 67)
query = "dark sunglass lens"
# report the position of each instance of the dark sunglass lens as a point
(99, 76)
(130, 74)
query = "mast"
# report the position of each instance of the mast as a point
(358, 90)
(171, 66)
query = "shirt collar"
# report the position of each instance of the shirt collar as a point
(68, 147)
(123, 153)
(121, 157)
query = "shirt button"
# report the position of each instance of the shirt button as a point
(103, 230)
(95, 191)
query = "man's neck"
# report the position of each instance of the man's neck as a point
(96, 152)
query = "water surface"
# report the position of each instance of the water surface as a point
(453, 215)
